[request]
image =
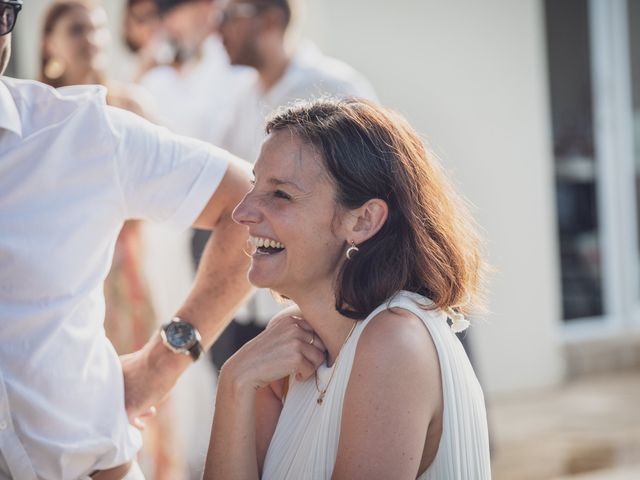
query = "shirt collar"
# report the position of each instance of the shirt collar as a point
(9, 115)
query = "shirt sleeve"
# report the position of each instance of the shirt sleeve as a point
(164, 177)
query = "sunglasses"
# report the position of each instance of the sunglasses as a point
(8, 15)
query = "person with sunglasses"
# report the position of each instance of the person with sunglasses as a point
(72, 171)
(9, 10)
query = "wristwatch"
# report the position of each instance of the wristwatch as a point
(182, 337)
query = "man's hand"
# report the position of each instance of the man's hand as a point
(149, 375)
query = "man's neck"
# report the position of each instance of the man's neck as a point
(272, 70)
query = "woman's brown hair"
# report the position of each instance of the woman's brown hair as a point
(429, 242)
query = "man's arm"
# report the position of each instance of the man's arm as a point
(220, 288)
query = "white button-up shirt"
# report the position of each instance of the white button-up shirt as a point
(72, 170)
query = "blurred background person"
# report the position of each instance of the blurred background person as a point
(194, 92)
(144, 38)
(73, 52)
(257, 34)
(193, 88)
(194, 95)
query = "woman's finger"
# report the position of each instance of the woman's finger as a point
(288, 315)
(308, 335)
(313, 355)
(305, 369)
(318, 343)
(302, 323)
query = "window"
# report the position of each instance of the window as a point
(577, 189)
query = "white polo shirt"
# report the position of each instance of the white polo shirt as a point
(72, 170)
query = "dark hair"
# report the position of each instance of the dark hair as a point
(165, 6)
(283, 5)
(428, 243)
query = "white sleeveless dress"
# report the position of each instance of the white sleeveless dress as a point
(305, 442)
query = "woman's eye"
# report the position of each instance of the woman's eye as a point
(281, 194)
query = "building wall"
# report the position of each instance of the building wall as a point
(471, 77)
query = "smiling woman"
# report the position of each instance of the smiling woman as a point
(352, 220)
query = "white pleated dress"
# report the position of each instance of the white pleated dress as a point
(305, 442)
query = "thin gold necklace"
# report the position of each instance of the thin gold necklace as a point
(335, 364)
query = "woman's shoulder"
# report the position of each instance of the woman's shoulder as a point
(396, 349)
(393, 391)
(399, 336)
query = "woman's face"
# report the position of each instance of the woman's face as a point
(292, 208)
(80, 38)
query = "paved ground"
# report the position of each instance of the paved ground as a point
(586, 430)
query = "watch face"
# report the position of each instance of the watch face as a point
(180, 335)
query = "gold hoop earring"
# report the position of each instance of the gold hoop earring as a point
(54, 69)
(352, 250)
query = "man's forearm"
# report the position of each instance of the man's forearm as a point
(219, 289)
(221, 284)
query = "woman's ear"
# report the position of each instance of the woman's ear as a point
(370, 218)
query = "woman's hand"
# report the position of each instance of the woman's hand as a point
(288, 346)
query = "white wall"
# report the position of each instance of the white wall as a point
(471, 77)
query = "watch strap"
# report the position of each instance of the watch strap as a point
(195, 351)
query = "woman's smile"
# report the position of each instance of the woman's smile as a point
(265, 246)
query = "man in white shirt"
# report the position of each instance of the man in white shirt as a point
(195, 94)
(253, 33)
(194, 97)
(72, 170)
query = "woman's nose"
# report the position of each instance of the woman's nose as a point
(246, 212)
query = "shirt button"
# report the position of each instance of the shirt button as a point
(3, 425)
